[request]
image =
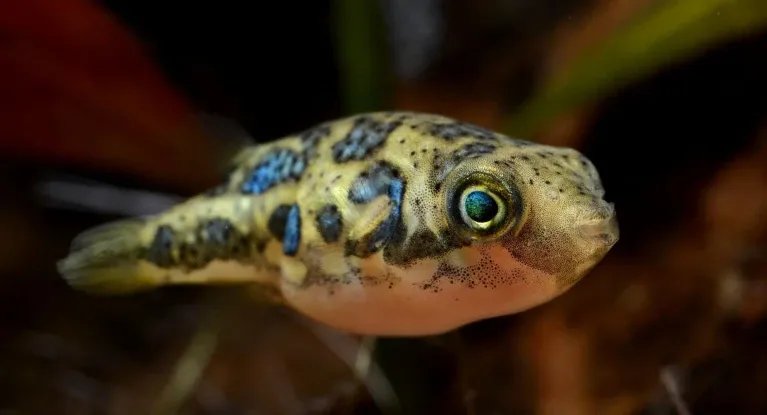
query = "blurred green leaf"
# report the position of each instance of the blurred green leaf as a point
(666, 33)
(361, 54)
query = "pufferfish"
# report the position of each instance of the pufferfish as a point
(384, 224)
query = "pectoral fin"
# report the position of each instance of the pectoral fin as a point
(377, 226)
(381, 190)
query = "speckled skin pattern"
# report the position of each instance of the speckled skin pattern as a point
(357, 223)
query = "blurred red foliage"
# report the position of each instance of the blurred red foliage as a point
(79, 90)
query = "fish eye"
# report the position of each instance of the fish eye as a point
(481, 207)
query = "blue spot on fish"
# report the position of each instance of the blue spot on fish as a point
(365, 137)
(292, 236)
(276, 167)
(396, 190)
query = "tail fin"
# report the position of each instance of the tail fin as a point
(204, 240)
(106, 260)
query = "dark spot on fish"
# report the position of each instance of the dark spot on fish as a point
(261, 245)
(191, 256)
(329, 223)
(277, 220)
(365, 136)
(372, 183)
(161, 248)
(458, 129)
(212, 239)
(219, 232)
(422, 244)
(278, 166)
(292, 232)
(472, 150)
(311, 138)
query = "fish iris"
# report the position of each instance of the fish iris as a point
(480, 206)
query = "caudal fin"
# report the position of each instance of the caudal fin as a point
(205, 240)
(106, 260)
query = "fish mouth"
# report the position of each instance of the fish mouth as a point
(603, 229)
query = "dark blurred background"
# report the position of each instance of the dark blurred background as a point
(97, 104)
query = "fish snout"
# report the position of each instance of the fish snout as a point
(603, 228)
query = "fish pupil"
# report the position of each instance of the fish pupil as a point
(480, 206)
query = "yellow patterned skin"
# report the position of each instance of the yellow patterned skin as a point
(388, 224)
